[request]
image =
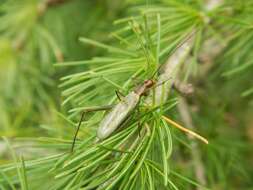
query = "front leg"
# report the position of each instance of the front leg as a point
(88, 109)
(119, 95)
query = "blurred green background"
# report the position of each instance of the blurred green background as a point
(36, 35)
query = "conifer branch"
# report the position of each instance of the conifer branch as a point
(136, 154)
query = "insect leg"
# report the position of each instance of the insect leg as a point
(80, 122)
(139, 118)
(139, 124)
(119, 94)
(77, 129)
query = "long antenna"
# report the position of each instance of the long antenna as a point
(156, 70)
(77, 129)
(161, 83)
(174, 50)
(182, 42)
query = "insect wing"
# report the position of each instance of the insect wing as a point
(117, 115)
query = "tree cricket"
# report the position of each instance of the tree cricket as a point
(121, 111)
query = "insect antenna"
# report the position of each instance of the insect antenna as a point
(119, 95)
(188, 37)
(156, 71)
(173, 51)
(161, 83)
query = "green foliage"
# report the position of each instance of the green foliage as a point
(32, 38)
(145, 152)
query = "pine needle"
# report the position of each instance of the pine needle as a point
(173, 123)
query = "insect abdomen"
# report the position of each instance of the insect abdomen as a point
(118, 114)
